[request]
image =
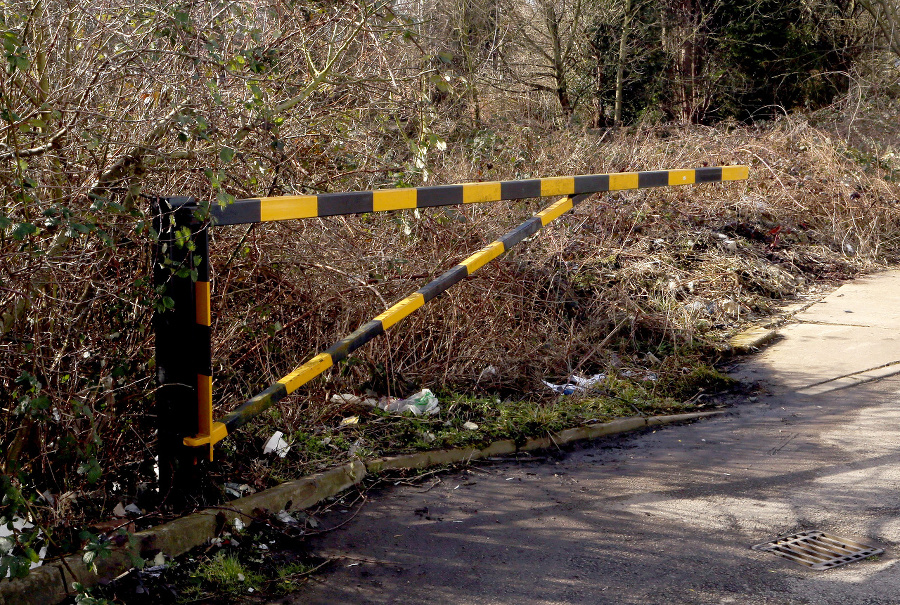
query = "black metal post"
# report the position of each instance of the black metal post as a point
(174, 323)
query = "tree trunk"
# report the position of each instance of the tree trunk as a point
(620, 64)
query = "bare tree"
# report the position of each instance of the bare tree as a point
(549, 38)
(887, 17)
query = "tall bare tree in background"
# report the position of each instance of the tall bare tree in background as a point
(550, 41)
(887, 18)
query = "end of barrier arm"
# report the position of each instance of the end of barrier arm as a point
(217, 433)
(735, 173)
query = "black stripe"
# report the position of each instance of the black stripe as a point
(529, 227)
(443, 195)
(363, 334)
(577, 199)
(518, 190)
(436, 287)
(203, 350)
(201, 242)
(656, 178)
(239, 212)
(708, 175)
(592, 183)
(254, 406)
(355, 202)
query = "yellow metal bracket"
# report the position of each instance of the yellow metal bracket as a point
(218, 432)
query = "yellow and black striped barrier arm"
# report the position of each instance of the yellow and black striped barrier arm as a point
(264, 209)
(341, 349)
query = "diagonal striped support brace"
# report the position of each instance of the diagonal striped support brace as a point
(340, 350)
(264, 209)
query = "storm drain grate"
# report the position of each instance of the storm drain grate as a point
(818, 550)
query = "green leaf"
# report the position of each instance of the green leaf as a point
(226, 154)
(23, 230)
(91, 470)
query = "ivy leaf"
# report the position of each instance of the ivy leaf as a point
(23, 230)
(226, 154)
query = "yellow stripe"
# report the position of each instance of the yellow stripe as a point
(479, 259)
(554, 211)
(204, 404)
(401, 310)
(291, 206)
(393, 199)
(219, 431)
(474, 193)
(623, 180)
(560, 185)
(735, 173)
(201, 293)
(306, 372)
(682, 177)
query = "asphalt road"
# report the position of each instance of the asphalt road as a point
(667, 516)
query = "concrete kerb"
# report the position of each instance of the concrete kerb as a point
(52, 583)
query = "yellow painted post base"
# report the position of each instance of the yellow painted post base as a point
(218, 432)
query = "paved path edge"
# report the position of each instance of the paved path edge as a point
(52, 583)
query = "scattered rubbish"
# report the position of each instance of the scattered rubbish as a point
(351, 399)
(49, 499)
(134, 509)
(731, 307)
(422, 403)
(277, 445)
(238, 524)
(119, 510)
(652, 358)
(350, 421)
(642, 374)
(354, 448)
(470, 426)
(575, 384)
(348, 398)
(428, 437)
(489, 373)
(285, 517)
(224, 540)
(237, 490)
(306, 519)
(697, 307)
(730, 245)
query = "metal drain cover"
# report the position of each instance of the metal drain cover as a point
(818, 550)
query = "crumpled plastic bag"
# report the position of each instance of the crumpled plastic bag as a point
(575, 384)
(423, 403)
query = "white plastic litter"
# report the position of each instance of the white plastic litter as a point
(286, 518)
(489, 373)
(575, 384)
(277, 445)
(348, 398)
(470, 426)
(423, 403)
